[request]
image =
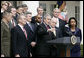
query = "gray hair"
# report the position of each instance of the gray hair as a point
(19, 17)
(46, 15)
(28, 13)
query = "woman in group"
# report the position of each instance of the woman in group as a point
(74, 30)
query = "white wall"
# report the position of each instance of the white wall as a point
(81, 19)
(32, 6)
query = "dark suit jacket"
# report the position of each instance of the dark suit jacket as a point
(5, 40)
(30, 33)
(19, 42)
(11, 25)
(62, 26)
(54, 49)
(33, 19)
(31, 36)
(43, 49)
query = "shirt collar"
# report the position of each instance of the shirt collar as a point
(21, 26)
(55, 17)
(28, 22)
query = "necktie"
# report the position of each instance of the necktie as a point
(48, 27)
(13, 22)
(25, 32)
(30, 26)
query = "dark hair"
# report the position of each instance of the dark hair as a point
(24, 5)
(9, 8)
(39, 7)
(70, 21)
(20, 6)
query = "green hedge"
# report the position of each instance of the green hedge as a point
(81, 50)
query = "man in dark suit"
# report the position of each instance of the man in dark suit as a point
(59, 24)
(40, 12)
(57, 34)
(19, 38)
(43, 35)
(31, 31)
(19, 10)
(13, 22)
(5, 35)
(25, 8)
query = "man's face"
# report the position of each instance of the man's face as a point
(52, 23)
(9, 17)
(28, 17)
(20, 10)
(56, 13)
(25, 9)
(39, 18)
(47, 20)
(23, 20)
(5, 6)
(13, 11)
(40, 11)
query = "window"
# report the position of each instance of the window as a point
(77, 16)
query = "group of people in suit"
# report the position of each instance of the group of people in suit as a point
(25, 36)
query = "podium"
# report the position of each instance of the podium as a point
(64, 45)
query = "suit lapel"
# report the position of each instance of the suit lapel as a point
(44, 26)
(20, 31)
(29, 28)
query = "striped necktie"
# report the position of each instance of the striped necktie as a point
(25, 32)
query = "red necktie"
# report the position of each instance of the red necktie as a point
(48, 27)
(25, 33)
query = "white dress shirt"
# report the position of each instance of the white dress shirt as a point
(21, 26)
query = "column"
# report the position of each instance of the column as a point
(81, 19)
